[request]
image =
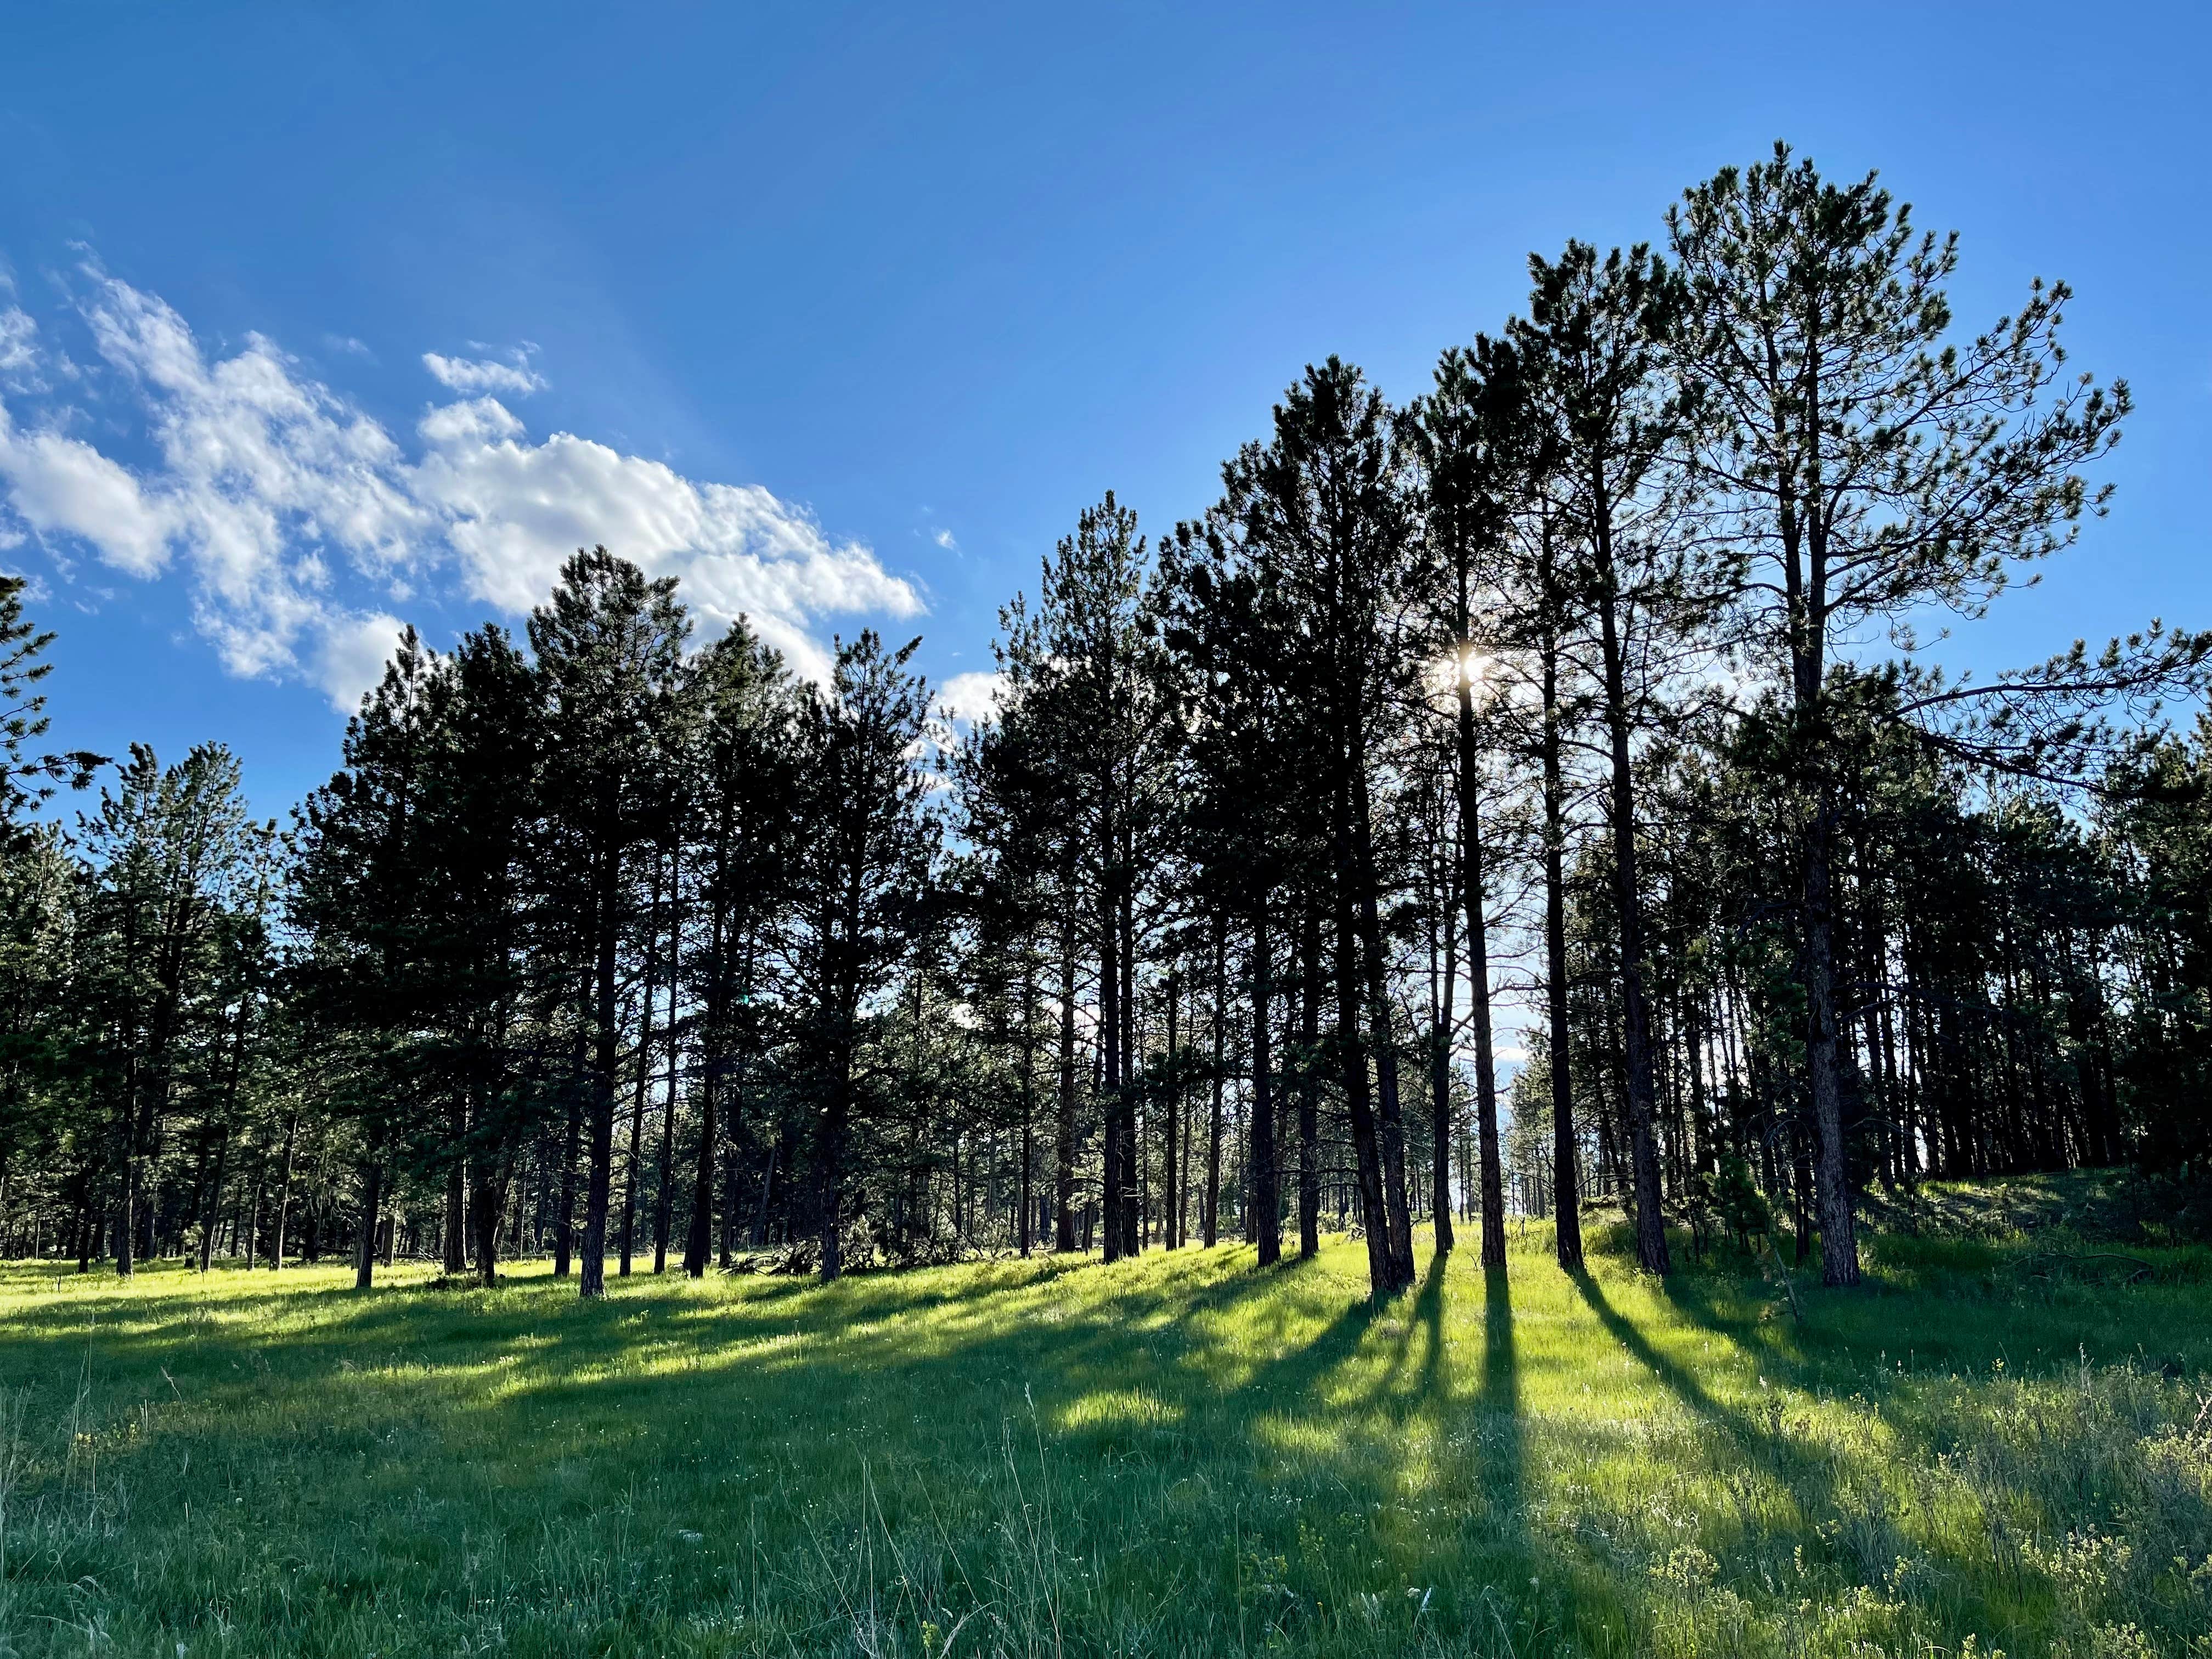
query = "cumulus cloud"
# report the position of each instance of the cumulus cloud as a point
(972, 695)
(353, 657)
(514, 509)
(298, 520)
(472, 375)
(61, 486)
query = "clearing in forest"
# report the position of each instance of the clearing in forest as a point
(1996, 1445)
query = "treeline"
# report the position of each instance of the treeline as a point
(1535, 726)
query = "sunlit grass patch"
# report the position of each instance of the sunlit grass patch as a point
(1177, 1454)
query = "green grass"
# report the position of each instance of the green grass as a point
(1996, 1445)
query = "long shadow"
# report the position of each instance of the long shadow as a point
(1502, 1454)
(1429, 1310)
(929, 1343)
(1812, 1474)
(165, 1309)
(1692, 1393)
(874, 1349)
(1294, 1376)
(1922, 1421)
(1395, 1389)
(533, 1344)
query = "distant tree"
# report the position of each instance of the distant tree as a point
(1472, 440)
(1323, 503)
(1242, 660)
(172, 849)
(363, 898)
(36, 893)
(866, 847)
(483, 804)
(746, 813)
(27, 778)
(609, 647)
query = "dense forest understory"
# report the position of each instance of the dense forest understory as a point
(2000, 1444)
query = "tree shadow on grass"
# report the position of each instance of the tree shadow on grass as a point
(1969, 1370)
(1686, 1387)
(1199, 1412)
(1834, 1473)
(1500, 1396)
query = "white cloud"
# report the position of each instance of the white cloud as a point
(18, 349)
(300, 519)
(62, 486)
(972, 695)
(944, 539)
(472, 375)
(515, 510)
(353, 656)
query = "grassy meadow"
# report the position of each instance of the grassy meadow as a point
(2002, 1444)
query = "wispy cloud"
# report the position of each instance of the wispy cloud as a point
(944, 539)
(19, 337)
(472, 375)
(299, 523)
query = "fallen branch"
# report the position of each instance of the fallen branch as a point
(2141, 1269)
(1789, 1285)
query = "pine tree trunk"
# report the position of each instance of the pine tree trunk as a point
(592, 1280)
(1474, 896)
(665, 1170)
(457, 1204)
(1443, 985)
(1567, 1185)
(1839, 1256)
(1171, 1192)
(126, 1213)
(489, 1198)
(1267, 1206)
(662, 1195)
(634, 1162)
(1029, 1086)
(572, 1141)
(209, 1227)
(1310, 1088)
(284, 1195)
(1109, 1032)
(1397, 1220)
(1382, 1267)
(699, 1239)
(1064, 1144)
(1634, 1015)
(1210, 1218)
(1124, 1097)
(371, 1202)
(832, 1157)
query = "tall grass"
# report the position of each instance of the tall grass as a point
(1180, 1455)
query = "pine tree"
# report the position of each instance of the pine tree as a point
(866, 845)
(1591, 348)
(608, 649)
(1472, 440)
(1873, 469)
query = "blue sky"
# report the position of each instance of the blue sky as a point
(846, 312)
